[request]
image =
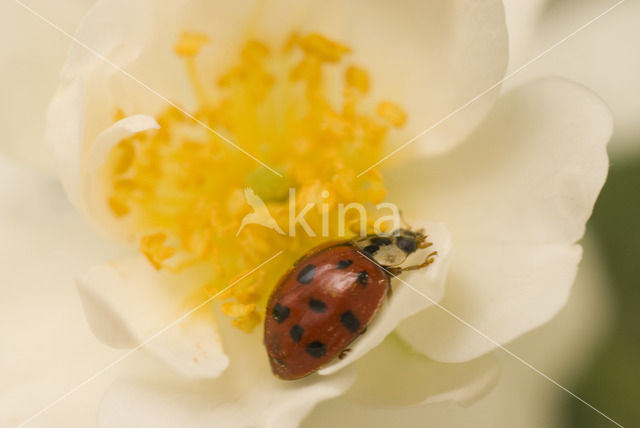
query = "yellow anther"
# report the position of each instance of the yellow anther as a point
(118, 207)
(307, 69)
(152, 246)
(247, 295)
(190, 44)
(254, 51)
(237, 310)
(323, 48)
(123, 185)
(118, 115)
(344, 182)
(292, 42)
(392, 112)
(199, 242)
(377, 191)
(357, 78)
(247, 323)
(188, 47)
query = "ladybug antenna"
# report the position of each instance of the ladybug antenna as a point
(422, 241)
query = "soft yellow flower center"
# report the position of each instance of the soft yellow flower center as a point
(300, 108)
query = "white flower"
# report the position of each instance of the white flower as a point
(44, 300)
(512, 183)
(602, 56)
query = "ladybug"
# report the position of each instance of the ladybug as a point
(330, 296)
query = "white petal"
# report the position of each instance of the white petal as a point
(120, 130)
(46, 345)
(428, 286)
(515, 197)
(124, 61)
(430, 57)
(395, 375)
(89, 93)
(129, 302)
(433, 58)
(603, 57)
(522, 18)
(562, 349)
(247, 394)
(31, 54)
(449, 52)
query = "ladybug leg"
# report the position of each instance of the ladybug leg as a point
(343, 353)
(430, 259)
(424, 244)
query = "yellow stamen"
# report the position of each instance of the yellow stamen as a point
(235, 309)
(152, 246)
(392, 112)
(323, 48)
(182, 188)
(188, 47)
(358, 78)
(118, 207)
(190, 44)
(247, 323)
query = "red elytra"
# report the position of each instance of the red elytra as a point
(320, 307)
(330, 296)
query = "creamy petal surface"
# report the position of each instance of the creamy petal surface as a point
(31, 54)
(128, 303)
(515, 197)
(603, 56)
(521, 398)
(47, 345)
(394, 375)
(522, 18)
(247, 394)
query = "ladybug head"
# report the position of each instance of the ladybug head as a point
(391, 250)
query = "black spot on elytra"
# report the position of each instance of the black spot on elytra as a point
(408, 245)
(316, 349)
(343, 264)
(363, 278)
(370, 249)
(317, 305)
(306, 274)
(280, 313)
(380, 241)
(296, 333)
(349, 321)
